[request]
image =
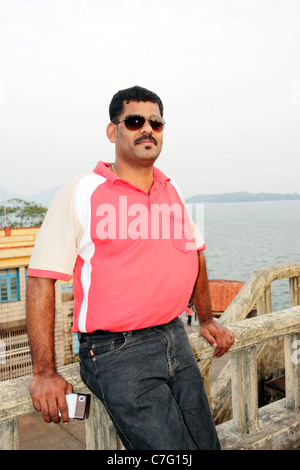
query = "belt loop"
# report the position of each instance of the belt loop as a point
(127, 333)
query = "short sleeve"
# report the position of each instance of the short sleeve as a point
(198, 238)
(55, 251)
(199, 241)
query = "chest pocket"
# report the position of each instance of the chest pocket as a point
(181, 232)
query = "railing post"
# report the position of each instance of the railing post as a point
(244, 390)
(294, 291)
(292, 370)
(9, 435)
(100, 431)
(207, 384)
(264, 303)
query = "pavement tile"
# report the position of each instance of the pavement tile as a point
(35, 434)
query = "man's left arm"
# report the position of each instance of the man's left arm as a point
(217, 335)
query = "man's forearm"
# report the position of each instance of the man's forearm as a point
(201, 296)
(40, 323)
(47, 388)
(217, 335)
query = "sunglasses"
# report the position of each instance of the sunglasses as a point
(134, 122)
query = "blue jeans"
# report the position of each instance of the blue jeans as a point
(151, 386)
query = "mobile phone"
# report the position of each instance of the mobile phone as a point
(77, 405)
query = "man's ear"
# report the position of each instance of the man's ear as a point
(111, 132)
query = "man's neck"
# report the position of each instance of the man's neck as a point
(141, 177)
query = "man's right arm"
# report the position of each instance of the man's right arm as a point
(47, 388)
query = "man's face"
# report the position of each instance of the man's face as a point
(140, 147)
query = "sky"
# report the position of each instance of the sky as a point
(227, 71)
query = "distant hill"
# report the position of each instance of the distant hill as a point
(44, 197)
(242, 197)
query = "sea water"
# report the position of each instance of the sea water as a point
(245, 236)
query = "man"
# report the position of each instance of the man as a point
(123, 234)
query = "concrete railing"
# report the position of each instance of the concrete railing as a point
(274, 426)
(16, 402)
(257, 291)
(255, 294)
(250, 427)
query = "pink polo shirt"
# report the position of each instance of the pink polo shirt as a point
(132, 255)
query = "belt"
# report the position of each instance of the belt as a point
(95, 333)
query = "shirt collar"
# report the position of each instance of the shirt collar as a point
(104, 170)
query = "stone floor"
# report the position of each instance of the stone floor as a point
(35, 434)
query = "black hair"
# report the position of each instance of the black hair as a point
(135, 93)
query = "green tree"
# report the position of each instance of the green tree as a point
(19, 213)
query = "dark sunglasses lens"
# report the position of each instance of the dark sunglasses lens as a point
(156, 125)
(134, 122)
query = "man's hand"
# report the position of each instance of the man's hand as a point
(217, 335)
(48, 392)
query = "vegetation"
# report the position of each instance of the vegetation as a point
(19, 213)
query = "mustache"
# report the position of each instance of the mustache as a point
(145, 137)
